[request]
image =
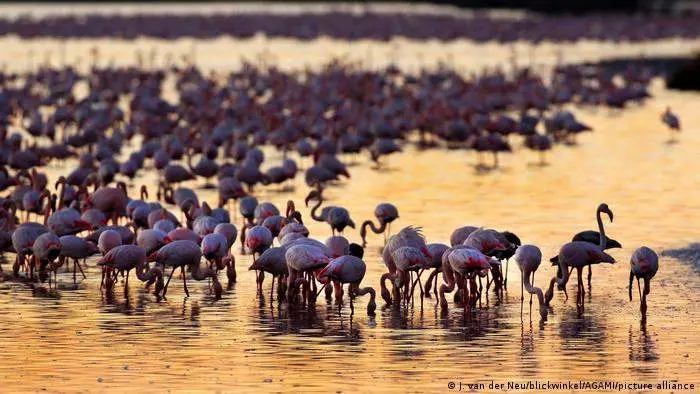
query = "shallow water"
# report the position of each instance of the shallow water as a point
(78, 338)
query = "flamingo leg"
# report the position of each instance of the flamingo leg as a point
(644, 299)
(81, 269)
(532, 282)
(435, 288)
(165, 289)
(639, 287)
(352, 298)
(184, 280)
(582, 291)
(522, 297)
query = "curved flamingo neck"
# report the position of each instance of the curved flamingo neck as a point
(314, 215)
(534, 290)
(370, 224)
(601, 230)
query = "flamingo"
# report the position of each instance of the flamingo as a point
(76, 248)
(464, 264)
(349, 270)
(229, 231)
(125, 258)
(408, 259)
(408, 236)
(214, 248)
(112, 201)
(257, 240)
(337, 217)
(461, 234)
(303, 259)
(46, 249)
(671, 120)
(528, 258)
(151, 240)
(181, 254)
(273, 262)
(578, 254)
(643, 264)
(385, 214)
(436, 251)
(593, 237)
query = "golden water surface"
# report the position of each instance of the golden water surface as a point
(80, 339)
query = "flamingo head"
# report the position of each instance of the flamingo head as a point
(312, 194)
(605, 209)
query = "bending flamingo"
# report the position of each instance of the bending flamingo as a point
(643, 264)
(528, 258)
(349, 270)
(385, 214)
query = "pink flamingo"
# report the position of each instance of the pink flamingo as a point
(349, 270)
(336, 217)
(303, 259)
(257, 240)
(528, 258)
(76, 248)
(46, 249)
(465, 263)
(274, 263)
(408, 236)
(125, 258)
(385, 214)
(110, 200)
(229, 231)
(181, 254)
(578, 254)
(643, 264)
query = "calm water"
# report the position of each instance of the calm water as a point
(81, 339)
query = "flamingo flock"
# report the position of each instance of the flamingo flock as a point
(215, 136)
(361, 22)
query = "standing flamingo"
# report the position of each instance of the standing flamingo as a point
(578, 254)
(528, 258)
(408, 236)
(643, 264)
(181, 254)
(303, 259)
(349, 269)
(385, 214)
(593, 237)
(273, 262)
(465, 264)
(76, 248)
(671, 120)
(337, 217)
(128, 257)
